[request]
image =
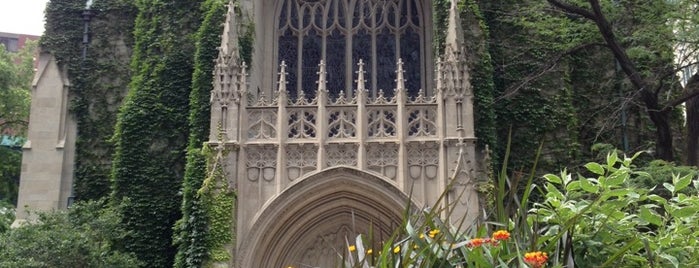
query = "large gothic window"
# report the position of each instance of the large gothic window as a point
(341, 32)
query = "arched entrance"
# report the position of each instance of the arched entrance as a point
(307, 224)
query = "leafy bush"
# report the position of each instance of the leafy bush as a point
(605, 220)
(83, 236)
(599, 221)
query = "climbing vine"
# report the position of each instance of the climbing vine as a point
(152, 131)
(98, 81)
(191, 231)
(219, 200)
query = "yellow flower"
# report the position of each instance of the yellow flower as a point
(369, 251)
(352, 248)
(434, 233)
(396, 250)
(422, 235)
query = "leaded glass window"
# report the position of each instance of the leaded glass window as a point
(341, 32)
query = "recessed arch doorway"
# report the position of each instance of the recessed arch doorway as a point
(307, 224)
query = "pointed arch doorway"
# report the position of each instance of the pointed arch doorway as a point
(308, 223)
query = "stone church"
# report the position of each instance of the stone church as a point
(345, 117)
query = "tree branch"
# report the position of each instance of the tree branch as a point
(572, 9)
(511, 91)
(692, 89)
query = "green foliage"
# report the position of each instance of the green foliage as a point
(98, 82)
(152, 130)
(83, 236)
(16, 73)
(603, 220)
(659, 173)
(536, 107)
(219, 200)
(191, 231)
(10, 168)
(7, 216)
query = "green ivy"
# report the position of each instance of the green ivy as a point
(219, 200)
(98, 82)
(152, 130)
(191, 231)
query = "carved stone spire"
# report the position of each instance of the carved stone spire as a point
(229, 40)
(226, 94)
(455, 33)
(454, 74)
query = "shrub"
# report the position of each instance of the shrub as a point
(83, 236)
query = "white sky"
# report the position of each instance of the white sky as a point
(22, 16)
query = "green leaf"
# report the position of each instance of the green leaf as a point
(650, 216)
(589, 187)
(612, 159)
(669, 187)
(595, 168)
(553, 179)
(684, 212)
(573, 186)
(616, 178)
(682, 183)
(671, 259)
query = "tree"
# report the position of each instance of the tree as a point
(16, 72)
(648, 69)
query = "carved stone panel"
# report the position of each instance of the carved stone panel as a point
(341, 155)
(423, 160)
(383, 159)
(262, 124)
(300, 159)
(342, 122)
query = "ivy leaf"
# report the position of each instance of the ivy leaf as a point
(595, 168)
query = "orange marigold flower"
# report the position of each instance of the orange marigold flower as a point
(501, 235)
(536, 259)
(476, 242)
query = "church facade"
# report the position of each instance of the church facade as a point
(344, 119)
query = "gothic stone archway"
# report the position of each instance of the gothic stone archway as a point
(310, 220)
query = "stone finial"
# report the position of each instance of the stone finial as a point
(400, 77)
(361, 81)
(282, 78)
(322, 72)
(455, 34)
(229, 40)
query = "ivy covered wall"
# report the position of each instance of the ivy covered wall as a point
(99, 80)
(193, 229)
(476, 35)
(152, 131)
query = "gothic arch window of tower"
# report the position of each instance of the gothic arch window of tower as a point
(341, 33)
